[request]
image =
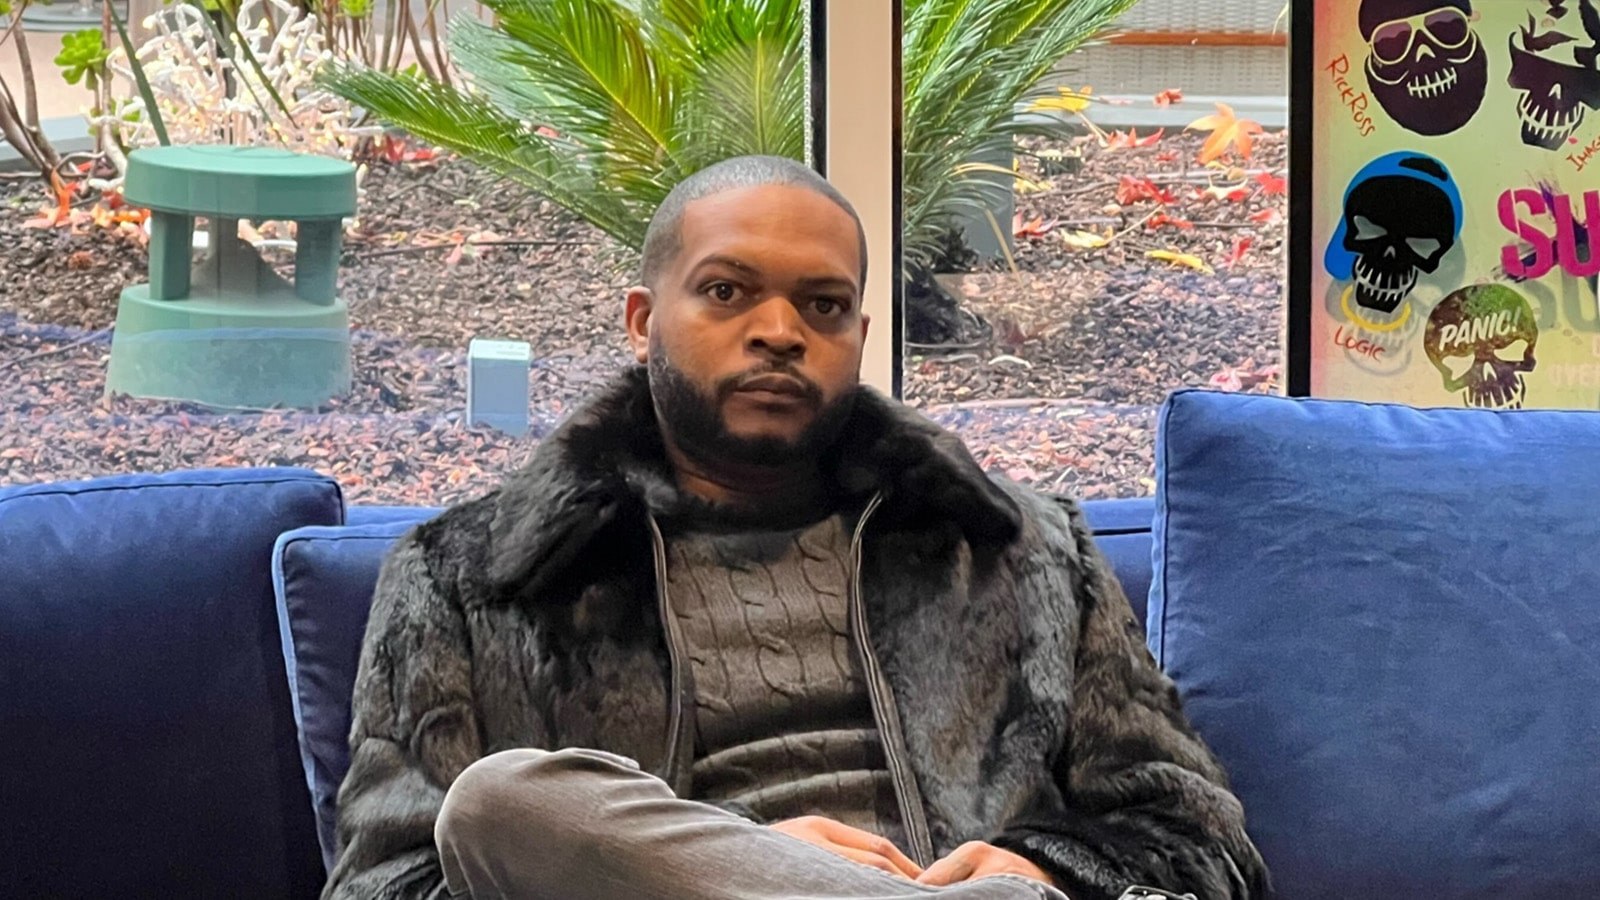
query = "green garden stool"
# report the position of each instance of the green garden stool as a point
(230, 332)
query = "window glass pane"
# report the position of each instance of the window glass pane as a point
(1133, 255)
(373, 382)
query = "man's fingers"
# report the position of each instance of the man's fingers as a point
(851, 843)
(886, 849)
(956, 867)
(870, 843)
(882, 864)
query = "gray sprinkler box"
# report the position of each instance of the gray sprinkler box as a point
(497, 384)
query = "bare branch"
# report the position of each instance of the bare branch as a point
(30, 91)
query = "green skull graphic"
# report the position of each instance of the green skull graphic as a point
(1481, 339)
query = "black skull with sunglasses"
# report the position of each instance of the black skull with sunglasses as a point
(1425, 63)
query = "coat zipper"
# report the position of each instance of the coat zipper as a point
(675, 769)
(912, 814)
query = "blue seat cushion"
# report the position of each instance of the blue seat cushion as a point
(1385, 622)
(147, 745)
(324, 579)
(1122, 532)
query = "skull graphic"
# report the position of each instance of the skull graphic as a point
(1481, 339)
(1556, 75)
(1402, 214)
(1425, 63)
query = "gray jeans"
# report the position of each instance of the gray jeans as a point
(588, 825)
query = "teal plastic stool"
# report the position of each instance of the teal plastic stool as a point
(230, 332)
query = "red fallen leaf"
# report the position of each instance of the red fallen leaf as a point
(1130, 139)
(1227, 380)
(1167, 156)
(1268, 216)
(1162, 219)
(1169, 97)
(1033, 228)
(1272, 185)
(1240, 248)
(1133, 190)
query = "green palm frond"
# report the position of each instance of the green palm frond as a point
(642, 93)
(472, 126)
(607, 87)
(750, 99)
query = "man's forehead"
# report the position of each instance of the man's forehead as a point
(769, 224)
(765, 202)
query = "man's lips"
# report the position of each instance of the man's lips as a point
(774, 384)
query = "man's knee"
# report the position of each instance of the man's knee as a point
(525, 792)
(481, 800)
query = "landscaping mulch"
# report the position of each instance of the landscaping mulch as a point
(1086, 342)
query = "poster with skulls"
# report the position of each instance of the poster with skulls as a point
(1450, 212)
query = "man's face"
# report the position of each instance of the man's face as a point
(753, 333)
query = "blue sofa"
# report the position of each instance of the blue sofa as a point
(1385, 621)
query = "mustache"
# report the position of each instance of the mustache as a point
(732, 384)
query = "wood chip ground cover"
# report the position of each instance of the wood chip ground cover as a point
(1087, 340)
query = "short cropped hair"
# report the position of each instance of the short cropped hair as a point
(662, 241)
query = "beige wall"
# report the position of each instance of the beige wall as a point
(861, 112)
(56, 97)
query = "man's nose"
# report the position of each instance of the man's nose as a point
(776, 329)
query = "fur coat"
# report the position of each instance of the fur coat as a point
(1033, 716)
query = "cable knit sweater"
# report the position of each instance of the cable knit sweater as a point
(783, 718)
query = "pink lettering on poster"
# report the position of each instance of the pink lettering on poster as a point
(1550, 233)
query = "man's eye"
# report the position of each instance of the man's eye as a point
(829, 306)
(722, 291)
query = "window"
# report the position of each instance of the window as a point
(442, 253)
(1045, 326)
(1049, 325)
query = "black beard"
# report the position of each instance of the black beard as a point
(695, 420)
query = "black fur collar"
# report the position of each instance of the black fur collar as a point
(602, 464)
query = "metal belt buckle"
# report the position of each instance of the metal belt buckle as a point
(1140, 892)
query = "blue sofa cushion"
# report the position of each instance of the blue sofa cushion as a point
(1385, 622)
(1122, 532)
(324, 579)
(147, 748)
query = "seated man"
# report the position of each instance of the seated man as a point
(744, 629)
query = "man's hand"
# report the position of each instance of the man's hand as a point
(979, 860)
(851, 843)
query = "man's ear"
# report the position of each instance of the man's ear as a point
(641, 302)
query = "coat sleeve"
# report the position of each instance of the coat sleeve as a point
(413, 731)
(1145, 801)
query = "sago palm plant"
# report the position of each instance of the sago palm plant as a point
(603, 105)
